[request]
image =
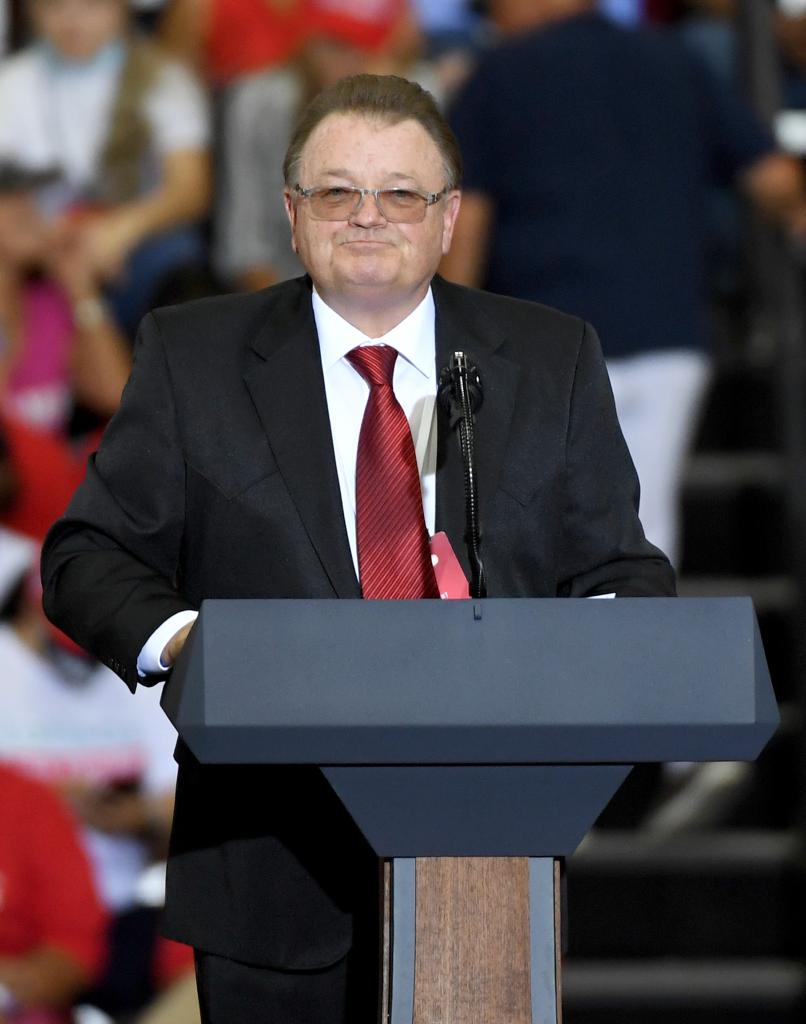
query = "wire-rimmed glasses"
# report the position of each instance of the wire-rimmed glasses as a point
(341, 202)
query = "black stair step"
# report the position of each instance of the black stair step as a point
(740, 411)
(775, 599)
(773, 800)
(734, 530)
(675, 991)
(715, 471)
(732, 893)
(776, 593)
(733, 507)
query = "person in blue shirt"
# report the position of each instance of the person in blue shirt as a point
(589, 150)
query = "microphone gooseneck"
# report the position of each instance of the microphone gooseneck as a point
(461, 394)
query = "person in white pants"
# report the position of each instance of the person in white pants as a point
(659, 396)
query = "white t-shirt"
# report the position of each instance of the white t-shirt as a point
(56, 114)
(90, 729)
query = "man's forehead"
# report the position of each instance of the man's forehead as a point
(343, 141)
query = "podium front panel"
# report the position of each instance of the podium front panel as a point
(463, 682)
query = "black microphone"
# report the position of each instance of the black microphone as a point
(460, 374)
(460, 393)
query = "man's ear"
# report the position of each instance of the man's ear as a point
(450, 213)
(291, 213)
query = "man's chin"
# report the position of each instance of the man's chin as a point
(370, 268)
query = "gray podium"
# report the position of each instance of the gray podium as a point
(474, 743)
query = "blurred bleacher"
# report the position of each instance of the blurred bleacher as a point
(693, 911)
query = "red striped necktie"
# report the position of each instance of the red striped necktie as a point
(394, 558)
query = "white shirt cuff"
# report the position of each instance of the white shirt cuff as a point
(149, 660)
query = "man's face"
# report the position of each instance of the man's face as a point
(79, 28)
(367, 259)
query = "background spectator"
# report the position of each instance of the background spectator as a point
(127, 130)
(588, 151)
(224, 39)
(708, 27)
(38, 474)
(59, 344)
(51, 922)
(66, 720)
(253, 247)
(453, 33)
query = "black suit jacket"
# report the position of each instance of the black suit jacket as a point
(217, 478)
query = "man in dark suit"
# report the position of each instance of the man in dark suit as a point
(234, 469)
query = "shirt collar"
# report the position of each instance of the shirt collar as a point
(413, 337)
(110, 58)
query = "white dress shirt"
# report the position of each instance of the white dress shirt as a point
(415, 387)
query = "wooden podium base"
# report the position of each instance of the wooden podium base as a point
(471, 940)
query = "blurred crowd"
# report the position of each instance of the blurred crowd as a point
(140, 164)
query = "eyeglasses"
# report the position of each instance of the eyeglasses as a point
(341, 202)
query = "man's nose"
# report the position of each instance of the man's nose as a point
(368, 213)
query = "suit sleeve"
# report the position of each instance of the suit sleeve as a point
(110, 565)
(604, 549)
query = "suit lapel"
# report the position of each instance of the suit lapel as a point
(288, 391)
(461, 327)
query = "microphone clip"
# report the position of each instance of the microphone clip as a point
(459, 390)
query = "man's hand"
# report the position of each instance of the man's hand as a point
(45, 977)
(69, 264)
(173, 648)
(107, 240)
(776, 186)
(122, 812)
(116, 812)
